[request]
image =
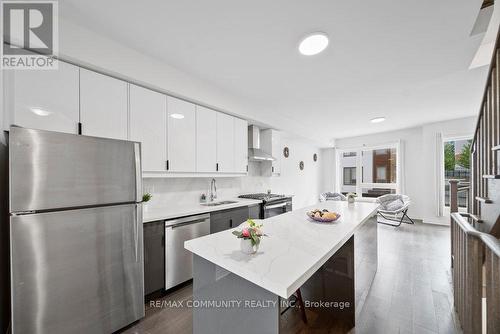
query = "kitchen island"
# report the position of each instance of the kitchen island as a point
(330, 265)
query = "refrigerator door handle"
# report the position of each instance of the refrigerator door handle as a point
(138, 172)
(138, 222)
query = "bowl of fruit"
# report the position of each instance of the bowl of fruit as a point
(323, 216)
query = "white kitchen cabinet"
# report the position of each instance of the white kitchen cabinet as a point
(240, 145)
(225, 143)
(181, 134)
(276, 152)
(103, 105)
(148, 125)
(46, 100)
(206, 140)
(271, 143)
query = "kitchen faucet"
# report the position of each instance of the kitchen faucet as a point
(213, 190)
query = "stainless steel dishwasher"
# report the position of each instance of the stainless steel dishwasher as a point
(178, 260)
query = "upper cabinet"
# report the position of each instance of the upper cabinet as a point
(46, 100)
(240, 145)
(178, 138)
(225, 143)
(206, 140)
(276, 151)
(271, 143)
(103, 105)
(148, 125)
(181, 142)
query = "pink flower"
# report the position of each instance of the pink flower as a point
(245, 233)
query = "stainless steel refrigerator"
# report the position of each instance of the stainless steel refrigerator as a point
(76, 233)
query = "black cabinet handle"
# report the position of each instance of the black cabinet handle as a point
(230, 223)
(217, 166)
(79, 128)
(168, 165)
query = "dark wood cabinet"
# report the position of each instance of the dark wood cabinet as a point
(226, 219)
(154, 257)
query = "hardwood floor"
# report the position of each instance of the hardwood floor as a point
(411, 292)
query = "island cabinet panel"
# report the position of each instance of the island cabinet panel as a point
(103, 105)
(225, 143)
(206, 140)
(224, 220)
(154, 257)
(181, 135)
(45, 100)
(148, 125)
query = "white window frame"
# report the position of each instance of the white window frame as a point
(359, 170)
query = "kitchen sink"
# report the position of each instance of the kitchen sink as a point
(219, 203)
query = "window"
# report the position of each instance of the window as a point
(375, 167)
(347, 179)
(350, 176)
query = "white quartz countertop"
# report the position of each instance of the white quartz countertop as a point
(175, 211)
(293, 251)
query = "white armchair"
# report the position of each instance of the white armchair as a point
(392, 206)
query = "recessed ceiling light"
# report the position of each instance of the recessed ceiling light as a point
(313, 44)
(177, 116)
(40, 112)
(377, 119)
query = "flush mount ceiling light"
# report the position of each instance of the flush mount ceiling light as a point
(313, 44)
(40, 112)
(377, 119)
(177, 116)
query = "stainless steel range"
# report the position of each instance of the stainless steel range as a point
(272, 204)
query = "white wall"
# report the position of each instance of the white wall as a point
(304, 185)
(419, 148)
(328, 170)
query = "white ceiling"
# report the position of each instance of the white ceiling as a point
(406, 60)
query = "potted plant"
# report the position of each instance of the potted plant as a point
(351, 197)
(250, 237)
(145, 199)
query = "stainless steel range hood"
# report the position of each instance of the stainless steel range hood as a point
(255, 153)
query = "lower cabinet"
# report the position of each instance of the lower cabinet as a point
(154, 256)
(226, 219)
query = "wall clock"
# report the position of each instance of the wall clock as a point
(315, 157)
(301, 165)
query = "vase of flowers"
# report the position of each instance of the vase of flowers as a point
(351, 197)
(250, 237)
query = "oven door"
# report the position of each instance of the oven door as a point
(277, 208)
